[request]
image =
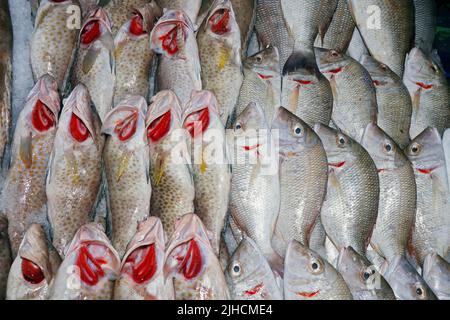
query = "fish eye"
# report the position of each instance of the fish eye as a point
(341, 141)
(383, 66)
(419, 291)
(236, 269)
(316, 266)
(434, 68)
(415, 148)
(334, 53)
(366, 275)
(388, 147)
(298, 130)
(238, 126)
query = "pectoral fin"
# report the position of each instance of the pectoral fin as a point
(26, 150)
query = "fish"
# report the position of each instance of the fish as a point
(429, 90)
(255, 186)
(436, 273)
(431, 231)
(190, 7)
(397, 205)
(310, 277)
(340, 31)
(425, 24)
(362, 278)
(350, 208)
(5, 256)
(133, 56)
(393, 100)
(354, 95)
(406, 283)
(94, 64)
(5, 77)
(308, 95)
(219, 46)
(179, 67)
(53, 43)
(262, 82)
(170, 171)
(303, 178)
(306, 19)
(210, 168)
(357, 48)
(191, 263)
(387, 28)
(119, 11)
(23, 199)
(141, 274)
(33, 270)
(446, 146)
(127, 167)
(74, 169)
(89, 269)
(249, 276)
(272, 29)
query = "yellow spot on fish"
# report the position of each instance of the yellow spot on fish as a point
(124, 161)
(224, 57)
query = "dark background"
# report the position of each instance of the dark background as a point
(442, 41)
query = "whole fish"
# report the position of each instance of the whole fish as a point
(255, 185)
(119, 11)
(5, 256)
(425, 23)
(210, 169)
(393, 100)
(5, 77)
(133, 56)
(53, 42)
(431, 231)
(306, 19)
(357, 48)
(309, 277)
(351, 203)
(262, 82)
(272, 28)
(179, 64)
(172, 183)
(406, 283)
(94, 65)
(363, 280)
(354, 95)
(436, 273)
(89, 269)
(141, 276)
(23, 199)
(33, 270)
(303, 180)
(397, 206)
(219, 46)
(249, 276)
(74, 173)
(308, 95)
(429, 90)
(387, 28)
(340, 31)
(190, 7)
(127, 165)
(190, 261)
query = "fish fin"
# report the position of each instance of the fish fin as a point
(26, 150)
(159, 170)
(276, 264)
(301, 59)
(89, 59)
(124, 162)
(446, 145)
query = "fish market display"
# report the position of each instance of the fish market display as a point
(53, 42)
(23, 198)
(5, 256)
(5, 76)
(74, 172)
(119, 11)
(210, 170)
(436, 272)
(127, 164)
(219, 45)
(141, 276)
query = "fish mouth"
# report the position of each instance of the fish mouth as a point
(254, 290)
(94, 27)
(198, 112)
(337, 164)
(308, 294)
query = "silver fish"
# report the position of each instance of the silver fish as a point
(436, 273)
(357, 48)
(191, 7)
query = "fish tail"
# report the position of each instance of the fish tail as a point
(276, 263)
(301, 59)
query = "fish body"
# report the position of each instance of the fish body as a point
(94, 65)
(141, 276)
(23, 199)
(74, 177)
(127, 163)
(210, 170)
(425, 24)
(436, 273)
(119, 11)
(191, 7)
(53, 43)
(219, 45)
(5, 256)
(357, 47)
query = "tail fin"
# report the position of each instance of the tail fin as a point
(276, 264)
(301, 59)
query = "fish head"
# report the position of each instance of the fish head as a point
(425, 71)
(381, 74)
(144, 258)
(143, 19)
(31, 273)
(221, 20)
(201, 113)
(386, 154)
(96, 27)
(163, 117)
(331, 62)
(170, 34)
(265, 63)
(406, 283)
(250, 119)
(426, 151)
(189, 251)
